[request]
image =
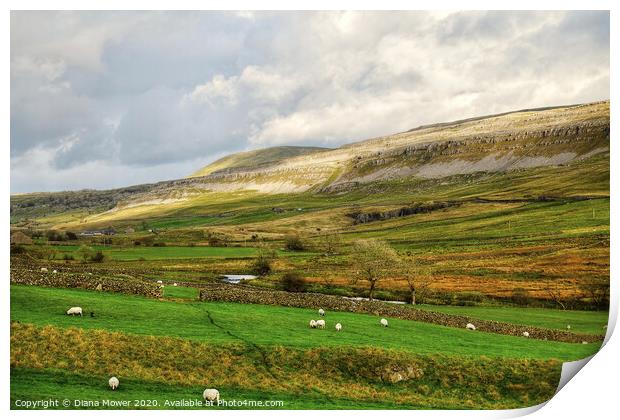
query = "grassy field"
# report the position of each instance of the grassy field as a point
(591, 322)
(271, 325)
(166, 252)
(34, 384)
(496, 246)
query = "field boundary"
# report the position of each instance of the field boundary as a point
(252, 295)
(35, 277)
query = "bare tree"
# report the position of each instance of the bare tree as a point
(555, 293)
(331, 242)
(375, 260)
(418, 279)
(598, 292)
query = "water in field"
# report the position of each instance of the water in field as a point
(236, 278)
(366, 299)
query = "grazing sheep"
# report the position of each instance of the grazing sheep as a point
(568, 327)
(312, 323)
(526, 334)
(338, 326)
(76, 310)
(321, 312)
(584, 342)
(210, 394)
(113, 382)
(43, 270)
(159, 282)
(320, 324)
(55, 272)
(174, 284)
(471, 326)
(383, 322)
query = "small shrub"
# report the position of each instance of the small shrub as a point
(294, 243)
(293, 282)
(17, 249)
(98, 257)
(264, 258)
(262, 266)
(520, 296)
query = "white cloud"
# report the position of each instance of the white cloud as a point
(140, 90)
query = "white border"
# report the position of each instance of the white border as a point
(590, 395)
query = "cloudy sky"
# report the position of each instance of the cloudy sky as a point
(110, 99)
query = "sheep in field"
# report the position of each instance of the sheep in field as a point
(338, 326)
(320, 324)
(383, 322)
(568, 327)
(312, 323)
(471, 326)
(210, 394)
(321, 312)
(526, 334)
(113, 382)
(159, 282)
(76, 310)
(43, 270)
(174, 284)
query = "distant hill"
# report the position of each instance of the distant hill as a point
(569, 143)
(255, 158)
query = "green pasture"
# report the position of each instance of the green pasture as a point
(269, 325)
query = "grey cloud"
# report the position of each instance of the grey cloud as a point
(136, 91)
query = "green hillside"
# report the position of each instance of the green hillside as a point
(255, 158)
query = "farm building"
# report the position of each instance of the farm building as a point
(98, 232)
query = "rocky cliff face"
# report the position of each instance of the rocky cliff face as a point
(522, 139)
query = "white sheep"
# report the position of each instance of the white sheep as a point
(384, 322)
(174, 284)
(321, 312)
(471, 326)
(312, 323)
(113, 382)
(338, 326)
(568, 327)
(584, 342)
(55, 272)
(320, 323)
(526, 334)
(211, 394)
(76, 310)
(43, 270)
(159, 282)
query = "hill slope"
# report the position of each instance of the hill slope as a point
(255, 158)
(552, 151)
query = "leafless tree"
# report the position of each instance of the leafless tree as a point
(375, 260)
(418, 279)
(555, 294)
(597, 292)
(331, 242)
